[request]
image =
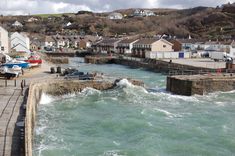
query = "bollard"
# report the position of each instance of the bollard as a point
(24, 82)
(5, 83)
(15, 82)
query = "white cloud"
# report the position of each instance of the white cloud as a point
(59, 6)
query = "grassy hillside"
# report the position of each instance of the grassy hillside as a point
(199, 22)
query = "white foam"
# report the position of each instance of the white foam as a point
(124, 83)
(116, 143)
(168, 114)
(112, 153)
(90, 91)
(150, 124)
(46, 99)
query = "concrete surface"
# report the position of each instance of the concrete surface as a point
(11, 100)
(202, 62)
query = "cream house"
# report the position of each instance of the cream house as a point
(162, 45)
(143, 47)
(4, 40)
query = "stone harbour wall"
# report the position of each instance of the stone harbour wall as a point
(200, 84)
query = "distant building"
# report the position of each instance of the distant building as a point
(143, 13)
(232, 49)
(125, 46)
(49, 42)
(20, 42)
(68, 24)
(4, 41)
(177, 45)
(115, 16)
(108, 45)
(17, 24)
(32, 19)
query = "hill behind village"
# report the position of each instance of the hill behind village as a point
(199, 22)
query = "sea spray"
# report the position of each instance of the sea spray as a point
(46, 99)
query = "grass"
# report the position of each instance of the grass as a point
(48, 15)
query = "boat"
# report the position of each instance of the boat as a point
(16, 68)
(9, 72)
(12, 63)
(34, 59)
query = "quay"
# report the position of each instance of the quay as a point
(200, 84)
(11, 116)
(162, 66)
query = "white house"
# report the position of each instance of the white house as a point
(32, 19)
(125, 46)
(50, 41)
(68, 24)
(20, 42)
(143, 13)
(232, 49)
(17, 24)
(4, 40)
(115, 16)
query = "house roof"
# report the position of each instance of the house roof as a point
(165, 41)
(49, 39)
(146, 41)
(128, 41)
(109, 41)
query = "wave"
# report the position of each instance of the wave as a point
(46, 99)
(113, 153)
(168, 114)
(125, 83)
(90, 91)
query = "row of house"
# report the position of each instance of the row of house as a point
(76, 42)
(137, 13)
(159, 47)
(142, 48)
(14, 42)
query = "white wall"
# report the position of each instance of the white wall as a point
(22, 39)
(166, 55)
(4, 41)
(232, 51)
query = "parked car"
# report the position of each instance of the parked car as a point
(80, 75)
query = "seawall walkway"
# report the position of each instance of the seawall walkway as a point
(11, 125)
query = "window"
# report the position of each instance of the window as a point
(2, 48)
(164, 46)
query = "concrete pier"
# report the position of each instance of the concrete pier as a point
(200, 84)
(11, 100)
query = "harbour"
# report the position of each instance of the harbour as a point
(95, 78)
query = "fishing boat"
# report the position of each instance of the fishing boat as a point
(34, 60)
(12, 63)
(10, 72)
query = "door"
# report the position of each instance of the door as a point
(181, 55)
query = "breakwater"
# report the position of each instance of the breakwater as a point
(200, 84)
(151, 64)
(56, 88)
(163, 66)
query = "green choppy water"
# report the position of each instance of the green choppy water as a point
(132, 121)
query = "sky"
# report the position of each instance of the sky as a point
(25, 7)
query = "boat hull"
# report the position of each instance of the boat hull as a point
(22, 65)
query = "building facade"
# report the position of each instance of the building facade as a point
(20, 42)
(4, 41)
